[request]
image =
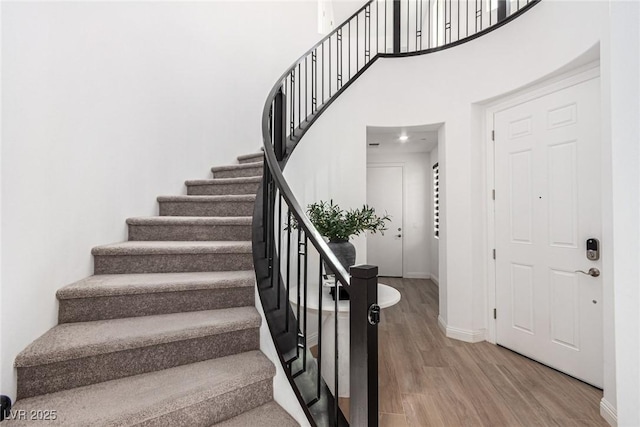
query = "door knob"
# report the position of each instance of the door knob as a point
(593, 272)
(399, 235)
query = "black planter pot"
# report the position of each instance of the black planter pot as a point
(344, 251)
(346, 254)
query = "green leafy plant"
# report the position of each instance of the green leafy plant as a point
(339, 225)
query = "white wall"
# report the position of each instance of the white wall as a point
(416, 251)
(621, 86)
(107, 105)
(331, 161)
(434, 242)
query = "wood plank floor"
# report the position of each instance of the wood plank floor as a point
(427, 379)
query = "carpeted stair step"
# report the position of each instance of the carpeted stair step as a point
(267, 415)
(115, 296)
(195, 395)
(237, 171)
(189, 228)
(218, 186)
(78, 354)
(251, 158)
(228, 205)
(169, 257)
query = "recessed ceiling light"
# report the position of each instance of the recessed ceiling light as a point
(403, 138)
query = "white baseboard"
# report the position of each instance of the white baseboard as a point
(466, 335)
(416, 276)
(312, 339)
(608, 412)
(435, 280)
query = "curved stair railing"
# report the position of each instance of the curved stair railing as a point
(290, 256)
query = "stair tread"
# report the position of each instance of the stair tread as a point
(103, 285)
(239, 166)
(225, 181)
(154, 247)
(190, 220)
(215, 198)
(251, 155)
(136, 399)
(267, 415)
(76, 340)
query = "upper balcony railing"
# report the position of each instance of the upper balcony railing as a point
(290, 261)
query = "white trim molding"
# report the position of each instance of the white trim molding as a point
(417, 275)
(435, 280)
(466, 335)
(312, 339)
(608, 412)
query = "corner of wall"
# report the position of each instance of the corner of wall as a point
(466, 335)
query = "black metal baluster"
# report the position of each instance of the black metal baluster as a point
(408, 21)
(437, 22)
(466, 6)
(447, 26)
(306, 89)
(417, 26)
(292, 125)
(270, 241)
(279, 249)
(385, 25)
(357, 41)
(286, 315)
(299, 96)
(314, 80)
(265, 171)
(339, 58)
(377, 28)
(298, 288)
(319, 359)
(306, 274)
(349, 52)
(323, 63)
(330, 68)
(430, 23)
(458, 21)
(367, 24)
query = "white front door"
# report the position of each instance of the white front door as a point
(384, 193)
(547, 204)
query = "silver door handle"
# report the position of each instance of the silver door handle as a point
(593, 272)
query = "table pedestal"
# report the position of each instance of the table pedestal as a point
(328, 352)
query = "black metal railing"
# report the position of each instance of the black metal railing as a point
(290, 256)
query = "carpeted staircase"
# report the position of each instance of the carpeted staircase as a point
(166, 332)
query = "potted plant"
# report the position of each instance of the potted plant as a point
(338, 226)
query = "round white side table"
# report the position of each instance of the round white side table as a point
(387, 296)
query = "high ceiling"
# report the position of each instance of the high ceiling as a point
(419, 138)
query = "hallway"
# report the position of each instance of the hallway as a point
(427, 379)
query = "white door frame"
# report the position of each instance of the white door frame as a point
(404, 213)
(577, 76)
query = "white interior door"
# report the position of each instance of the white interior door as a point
(384, 193)
(548, 203)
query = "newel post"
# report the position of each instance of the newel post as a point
(364, 317)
